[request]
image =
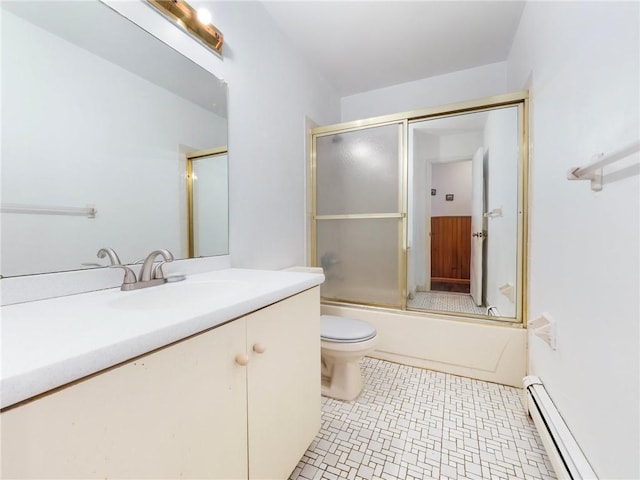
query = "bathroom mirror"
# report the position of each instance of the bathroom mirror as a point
(98, 116)
(424, 211)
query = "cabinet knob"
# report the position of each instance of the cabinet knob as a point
(242, 359)
(259, 348)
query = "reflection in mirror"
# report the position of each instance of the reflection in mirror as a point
(98, 113)
(207, 191)
(464, 213)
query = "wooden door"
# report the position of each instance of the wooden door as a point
(450, 249)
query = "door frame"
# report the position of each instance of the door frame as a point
(190, 157)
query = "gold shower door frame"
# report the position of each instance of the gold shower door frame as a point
(401, 214)
(517, 99)
(190, 157)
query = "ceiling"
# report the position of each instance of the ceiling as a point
(365, 45)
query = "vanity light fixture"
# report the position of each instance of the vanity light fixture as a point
(198, 24)
(204, 16)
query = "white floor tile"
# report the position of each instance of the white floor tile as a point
(410, 423)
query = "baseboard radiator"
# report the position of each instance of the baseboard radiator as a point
(564, 452)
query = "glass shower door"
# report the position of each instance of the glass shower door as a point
(359, 219)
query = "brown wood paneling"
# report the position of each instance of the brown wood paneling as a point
(450, 248)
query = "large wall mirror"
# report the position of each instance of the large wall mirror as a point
(98, 118)
(425, 211)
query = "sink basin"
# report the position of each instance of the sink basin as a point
(177, 295)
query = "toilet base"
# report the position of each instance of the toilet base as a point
(341, 377)
(342, 380)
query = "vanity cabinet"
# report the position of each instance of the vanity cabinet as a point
(283, 384)
(239, 401)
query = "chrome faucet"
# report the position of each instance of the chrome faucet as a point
(148, 273)
(148, 276)
(109, 252)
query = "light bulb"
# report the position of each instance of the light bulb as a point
(204, 16)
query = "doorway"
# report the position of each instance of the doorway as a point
(451, 226)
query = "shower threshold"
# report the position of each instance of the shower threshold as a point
(445, 301)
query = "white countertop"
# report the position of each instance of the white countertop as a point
(49, 343)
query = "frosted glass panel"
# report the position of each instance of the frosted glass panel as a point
(360, 259)
(210, 206)
(358, 172)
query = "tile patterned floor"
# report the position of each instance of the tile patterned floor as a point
(449, 302)
(411, 423)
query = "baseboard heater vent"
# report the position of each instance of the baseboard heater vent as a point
(564, 452)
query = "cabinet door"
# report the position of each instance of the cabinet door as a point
(283, 384)
(179, 412)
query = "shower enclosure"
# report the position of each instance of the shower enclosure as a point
(379, 199)
(359, 214)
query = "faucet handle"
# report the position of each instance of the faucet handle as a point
(129, 276)
(168, 257)
(157, 271)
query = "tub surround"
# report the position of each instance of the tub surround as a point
(485, 351)
(50, 343)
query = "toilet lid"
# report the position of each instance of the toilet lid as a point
(341, 329)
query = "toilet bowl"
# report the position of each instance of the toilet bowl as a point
(343, 342)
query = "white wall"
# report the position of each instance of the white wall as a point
(271, 90)
(582, 60)
(457, 146)
(453, 87)
(455, 178)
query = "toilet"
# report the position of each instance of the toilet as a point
(343, 342)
